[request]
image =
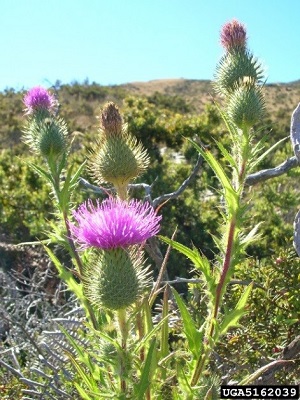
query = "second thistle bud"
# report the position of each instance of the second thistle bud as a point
(237, 62)
(117, 158)
(246, 105)
(233, 68)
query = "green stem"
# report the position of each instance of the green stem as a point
(225, 268)
(74, 255)
(245, 152)
(122, 191)
(78, 262)
(201, 362)
(124, 335)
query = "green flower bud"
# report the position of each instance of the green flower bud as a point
(52, 139)
(115, 279)
(233, 68)
(246, 105)
(46, 135)
(117, 158)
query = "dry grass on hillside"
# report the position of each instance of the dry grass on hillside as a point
(279, 97)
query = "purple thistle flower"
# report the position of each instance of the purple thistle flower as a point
(114, 223)
(233, 36)
(39, 98)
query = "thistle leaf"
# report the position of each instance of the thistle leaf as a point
(232, 318)
(200, 262)
(145, 379)
(231, 196)
(193, 335)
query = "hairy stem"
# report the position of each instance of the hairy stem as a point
(225, 269)
(201, 362)
(124, 334)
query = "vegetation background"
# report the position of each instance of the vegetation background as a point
(162, 114)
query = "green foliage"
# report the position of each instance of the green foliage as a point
(25, 199)
(273, 313)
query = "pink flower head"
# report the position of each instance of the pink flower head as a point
(114, 223)
(39, 98)
(233, 35)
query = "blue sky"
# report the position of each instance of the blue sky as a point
(120, 41)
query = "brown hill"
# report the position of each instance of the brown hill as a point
(81, 103)
(280, 97)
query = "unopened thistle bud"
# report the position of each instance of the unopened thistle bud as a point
(118, 157)
(233, 36)
(246, 105)
(44, 132)
(232, 70)
(111, 120)
(238, 62)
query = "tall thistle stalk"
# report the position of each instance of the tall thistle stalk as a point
(238, 81)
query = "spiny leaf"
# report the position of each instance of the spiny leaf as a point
(82, 392)
(88, 380)
(145, 379)
(42, 172)
(165, 326)
(66, 275)
(150, 335)
(82, 355)
(69, 185)
(232, 318)
(231, 197)
(193, 335)
(257, 160)
(227, 155)
(200, 262)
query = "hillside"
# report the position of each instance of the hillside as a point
(81, 103)
(279, 96)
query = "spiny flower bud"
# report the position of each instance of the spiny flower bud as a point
(48, 136)
(39, 99)
(117, 158)
(111, 120)
(246, 105)
(233, 68)
(53, 138)
(233, 36)
(115, 279)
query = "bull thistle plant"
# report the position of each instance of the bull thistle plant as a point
(127, 354)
